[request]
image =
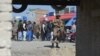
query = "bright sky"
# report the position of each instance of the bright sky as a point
(29, 14)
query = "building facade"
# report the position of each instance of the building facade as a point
(38, 14)
(68, 9)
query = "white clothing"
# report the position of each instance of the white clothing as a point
(24, 35)
(51, 35)
(43, 26)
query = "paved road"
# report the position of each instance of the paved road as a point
(41, 48)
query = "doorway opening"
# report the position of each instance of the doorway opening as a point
(32, 31)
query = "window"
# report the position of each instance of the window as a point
(66, 10)
(72, 10)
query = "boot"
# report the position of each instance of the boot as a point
(57, 46)
(52, 45)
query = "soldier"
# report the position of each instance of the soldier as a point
(56, 34)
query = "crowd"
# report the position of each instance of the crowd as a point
(24, 30)
(28, 31)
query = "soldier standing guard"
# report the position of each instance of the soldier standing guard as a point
(56, 32)
(57, 25)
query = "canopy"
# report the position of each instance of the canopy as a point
(65, 16)
(71, 21)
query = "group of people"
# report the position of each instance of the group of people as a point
(27, 30)
(24, 30)
(46, 31)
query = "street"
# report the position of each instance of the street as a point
(41, 48)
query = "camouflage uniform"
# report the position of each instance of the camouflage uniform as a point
(56, 33)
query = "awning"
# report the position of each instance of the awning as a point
(65, 16)
(71, 21)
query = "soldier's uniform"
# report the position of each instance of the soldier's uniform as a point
(56, 33)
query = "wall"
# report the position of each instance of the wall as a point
(88, 28)
(5, 27)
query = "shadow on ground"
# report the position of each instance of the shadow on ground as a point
(49, 46)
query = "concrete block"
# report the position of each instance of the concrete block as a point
(6, 1)
(5, 7)
(5, 34)
(5, 43)
(5, 39)
(5, 26)
(2, 43)
(5, 16)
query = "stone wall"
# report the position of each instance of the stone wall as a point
(5, 27)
